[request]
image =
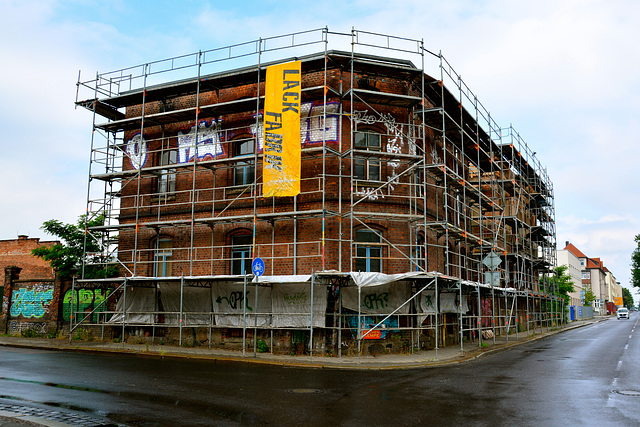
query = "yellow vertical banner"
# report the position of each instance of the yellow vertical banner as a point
(282, 148)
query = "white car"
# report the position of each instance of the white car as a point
(622, 313)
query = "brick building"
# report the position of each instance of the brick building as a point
(29, 289)
(414, 205)
(17, 252)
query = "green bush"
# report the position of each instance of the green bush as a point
(28, 333)
(262, 346)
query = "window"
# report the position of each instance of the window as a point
(419, 254)
(586, 275)
(241, 254)
(367, 141)
(419, 181)
(244, 170)
(167, 180)
(368, 250)
(162, 257)
(367, 168)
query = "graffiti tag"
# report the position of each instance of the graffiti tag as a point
(30, 302)
(370, 193)
(313, 126)
(376, 301)
(17, 327)
(205, 143)
(297, 298)
(84, 299)
(235, 300)
(137, 150)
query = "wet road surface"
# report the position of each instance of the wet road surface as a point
(586, 376)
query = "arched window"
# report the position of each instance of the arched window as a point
(241, 254)
(368, 250)
(367, 167)
(162, 254)
(243, 173)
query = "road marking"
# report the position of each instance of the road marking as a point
(626, 346)
(619, 366)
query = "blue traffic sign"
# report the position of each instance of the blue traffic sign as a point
(257, 266)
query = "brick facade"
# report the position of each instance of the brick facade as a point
(17, 252)
(396, 177)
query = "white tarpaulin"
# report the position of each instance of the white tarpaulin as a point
(363, 279)
(296, 278)
(196, 302)
(448, 303)
(229, 308)
(427, 302)
(140, 306)
(378, 299)
(464, 305)
(291, 305)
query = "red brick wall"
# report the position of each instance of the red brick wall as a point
(274, 241)
(17, 252)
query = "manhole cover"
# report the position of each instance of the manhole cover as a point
(628, 392)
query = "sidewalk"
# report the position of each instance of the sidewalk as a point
(424, 358)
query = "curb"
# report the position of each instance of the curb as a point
(348, 365)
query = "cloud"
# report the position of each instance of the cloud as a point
(563, 73)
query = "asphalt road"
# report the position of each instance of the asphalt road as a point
(585, 376)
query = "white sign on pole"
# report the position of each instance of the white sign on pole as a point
(492, 261)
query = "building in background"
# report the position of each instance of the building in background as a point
(569, 256)
(17, 252)
(594, 276)
(408, 216)
(29, 288)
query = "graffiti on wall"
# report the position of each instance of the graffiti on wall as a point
(487, 311)
(313, 127)
(16, 328)
(31, 302)
(376, 301)
(396, 141)
(84, 301)
(235, 300)
(138, 150)
(205, 144)
(368, 322)
(370, 193)
(298, 298)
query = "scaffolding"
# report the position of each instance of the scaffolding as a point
(402, 173)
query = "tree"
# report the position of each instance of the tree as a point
(562, 283)
(635, 264)
(66, 258)
(589, 296)
(627, 298)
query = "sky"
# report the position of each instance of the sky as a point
(563, 73)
